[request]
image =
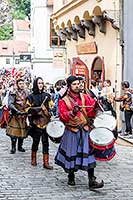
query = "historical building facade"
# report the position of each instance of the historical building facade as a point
(90, 30)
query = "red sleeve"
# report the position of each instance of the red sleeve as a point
(64, 113)
(89, 101)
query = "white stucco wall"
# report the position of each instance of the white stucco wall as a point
(48, 72)
(42, 57)
(40, 26)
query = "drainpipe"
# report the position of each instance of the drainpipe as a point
(121, 17)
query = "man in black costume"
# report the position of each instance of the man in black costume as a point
(38, 107)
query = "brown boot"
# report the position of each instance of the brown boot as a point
(93, 184)
(33, 158)
(46, 162)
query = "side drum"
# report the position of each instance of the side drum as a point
(102, 144)
(55, 130)
(105, 120)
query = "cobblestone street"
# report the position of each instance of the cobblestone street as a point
(21, 181)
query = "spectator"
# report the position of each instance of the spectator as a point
(126, 104)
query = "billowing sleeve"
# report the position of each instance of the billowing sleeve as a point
(89, 101)
(64, 113)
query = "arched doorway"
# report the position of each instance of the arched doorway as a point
(98, 69)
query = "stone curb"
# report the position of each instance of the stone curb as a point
(126, 139)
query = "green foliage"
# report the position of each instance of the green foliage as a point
(6, 32)
(21, 9)
(17, 14)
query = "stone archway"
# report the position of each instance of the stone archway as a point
(98, 69)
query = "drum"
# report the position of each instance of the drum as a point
(102, 144)
(105, 120)
(55, 130)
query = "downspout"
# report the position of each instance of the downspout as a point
(121, 17)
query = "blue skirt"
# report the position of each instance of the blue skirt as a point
(73, 152)
(1, 111)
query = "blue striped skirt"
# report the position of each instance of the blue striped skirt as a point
(73, 152)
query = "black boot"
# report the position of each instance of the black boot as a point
(20, 143)
(93, 184)
(13, 145)
(71, 178)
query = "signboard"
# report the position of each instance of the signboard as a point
(25, 58)
(86, 48)
(79, 70)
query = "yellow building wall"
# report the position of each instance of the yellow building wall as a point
(108, 44)
(78, 7)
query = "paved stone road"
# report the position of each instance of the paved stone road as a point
(20, 181)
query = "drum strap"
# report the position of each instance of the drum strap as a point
(76, 122)
(67, 100)
(83, 111)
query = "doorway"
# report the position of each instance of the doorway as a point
(98, 69)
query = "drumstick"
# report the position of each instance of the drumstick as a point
(93, 107)
(44, 100)
(100, 106)
(86, 106)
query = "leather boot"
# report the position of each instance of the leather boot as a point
(13, 145)
(93, 184)
(46, 162)
(71, 178)
(33, 158)
(20, 143)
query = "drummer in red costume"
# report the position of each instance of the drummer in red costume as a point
(73, 154)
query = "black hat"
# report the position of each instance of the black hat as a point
(81, 78)
(125, 84)
(71, 79)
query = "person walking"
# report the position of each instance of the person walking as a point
(74, 150)
(38, 107)
(126, 106)
(17, 126)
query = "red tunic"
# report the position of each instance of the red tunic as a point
(66, 114)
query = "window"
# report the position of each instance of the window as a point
(17, 61)
(54, 38)
(7, 60)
